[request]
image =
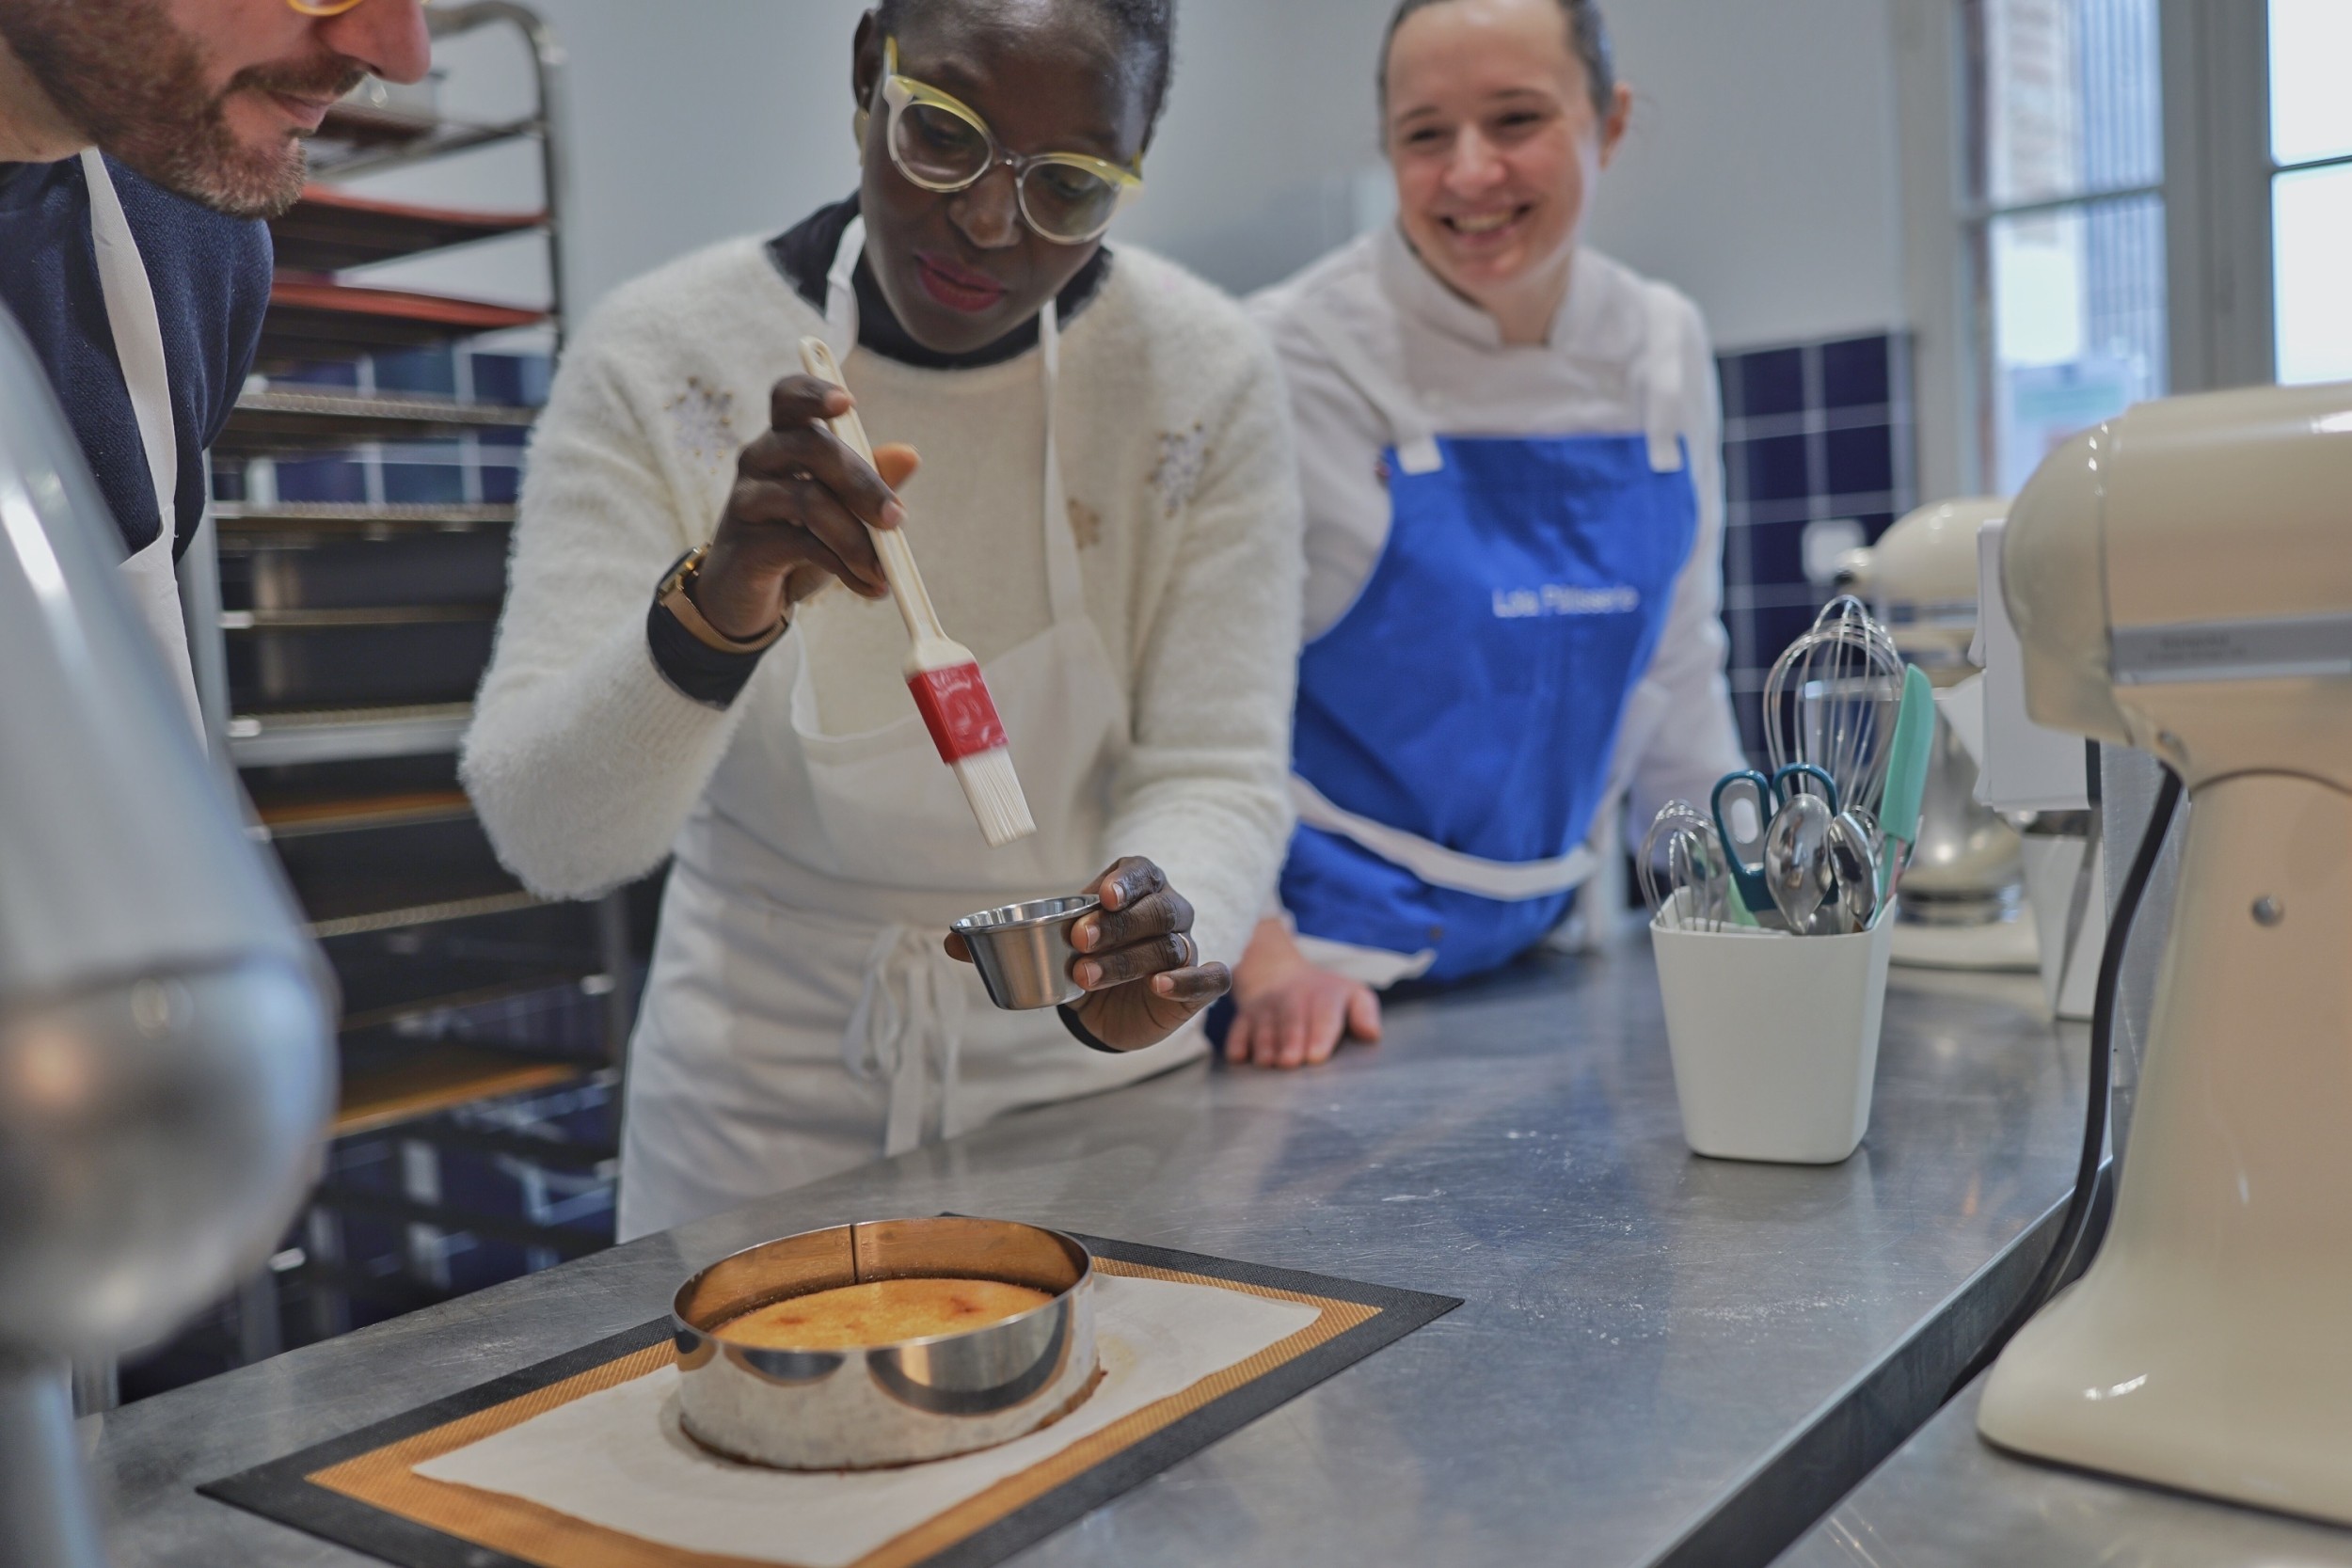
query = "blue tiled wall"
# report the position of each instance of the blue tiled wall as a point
(1814, 436)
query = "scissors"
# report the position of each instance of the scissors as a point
(1765, 797)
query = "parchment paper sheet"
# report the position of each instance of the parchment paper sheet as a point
(619, 1459)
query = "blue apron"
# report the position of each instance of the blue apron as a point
(1455, 730)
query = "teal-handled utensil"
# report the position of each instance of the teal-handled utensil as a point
(1745, 851)
(1783, 789)
(1906, 776)
(1766, 797)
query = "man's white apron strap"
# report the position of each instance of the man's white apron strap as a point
(910, 998)
(1437, 864)
(138, 332)
(138, 341)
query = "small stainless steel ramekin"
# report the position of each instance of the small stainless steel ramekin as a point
(886, 1404)
(1023, 951)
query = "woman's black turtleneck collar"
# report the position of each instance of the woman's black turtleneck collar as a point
(803, 254)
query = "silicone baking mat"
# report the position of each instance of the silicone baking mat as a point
(385, 1490)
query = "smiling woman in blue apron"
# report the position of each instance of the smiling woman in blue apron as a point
(1106, 514)
(1514, 500)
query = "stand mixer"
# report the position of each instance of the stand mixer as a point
(2180, 578)
(1962, 907)
(166, 1028)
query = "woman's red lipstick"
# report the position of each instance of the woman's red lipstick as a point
(956, 286)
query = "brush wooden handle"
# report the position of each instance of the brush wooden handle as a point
(897, 556)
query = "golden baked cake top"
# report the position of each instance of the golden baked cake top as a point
(879, 1312)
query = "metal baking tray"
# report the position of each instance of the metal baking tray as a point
(398, 861)
(343, 659)
(413, 566)
(886, 1404)
(392, 975)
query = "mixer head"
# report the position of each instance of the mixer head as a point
(2180, 578)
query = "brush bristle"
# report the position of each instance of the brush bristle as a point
(995, 790)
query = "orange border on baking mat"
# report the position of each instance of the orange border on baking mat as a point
(386, 1477)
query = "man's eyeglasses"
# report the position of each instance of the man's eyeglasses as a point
(325, 7)
(941, 144)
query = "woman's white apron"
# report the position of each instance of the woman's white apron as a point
(802, 1016)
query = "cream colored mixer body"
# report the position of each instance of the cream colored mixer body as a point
(2182, 582)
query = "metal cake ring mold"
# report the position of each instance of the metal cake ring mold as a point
(920, 1398)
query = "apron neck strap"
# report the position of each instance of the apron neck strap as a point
(1410, 429)
(1662, 377)
(139, 340)
(841, 291)
(1414, 435)
(1065, 585)
(139, 336)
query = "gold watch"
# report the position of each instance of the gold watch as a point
(675, 596)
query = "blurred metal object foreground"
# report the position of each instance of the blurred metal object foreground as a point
(166, 1028)
(886, 1404)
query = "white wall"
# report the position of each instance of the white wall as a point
(1760, 173)
(696, 120)
(687, 122)
(1270, 131)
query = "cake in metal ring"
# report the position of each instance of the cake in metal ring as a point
(831, 1405)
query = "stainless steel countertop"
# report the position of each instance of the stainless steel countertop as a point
(1948, 1499)
(1662, 1357)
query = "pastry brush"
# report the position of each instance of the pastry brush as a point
(941, 671)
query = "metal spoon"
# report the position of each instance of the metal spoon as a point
(1853, 869)
(1796, 859)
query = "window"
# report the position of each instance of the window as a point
(2113, 199)
(2310, 190)
(2063, 221)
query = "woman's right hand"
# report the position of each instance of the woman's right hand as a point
(1287, 1012)
(797, 514)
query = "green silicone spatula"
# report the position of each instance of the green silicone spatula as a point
(1906, 773)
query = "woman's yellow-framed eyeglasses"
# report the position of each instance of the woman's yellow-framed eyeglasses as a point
(940, 144)
(325, 7)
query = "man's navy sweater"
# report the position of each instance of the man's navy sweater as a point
(211, 276)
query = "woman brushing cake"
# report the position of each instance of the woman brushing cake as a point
(1106, 514)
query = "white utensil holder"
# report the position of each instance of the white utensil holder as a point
(1774, 1037)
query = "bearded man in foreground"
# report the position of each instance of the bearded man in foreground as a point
(142, 142)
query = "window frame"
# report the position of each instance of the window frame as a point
(2215, 78)
(2275, 172)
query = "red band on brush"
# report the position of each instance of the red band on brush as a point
(956, 709)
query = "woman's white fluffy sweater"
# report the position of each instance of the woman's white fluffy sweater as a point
(585, 762)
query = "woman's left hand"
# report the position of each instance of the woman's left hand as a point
(1141, 969)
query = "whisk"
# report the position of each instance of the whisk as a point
(1682, 842)
(1830, 699)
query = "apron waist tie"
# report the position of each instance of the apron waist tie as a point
(908, 1027)
(1440, 867)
